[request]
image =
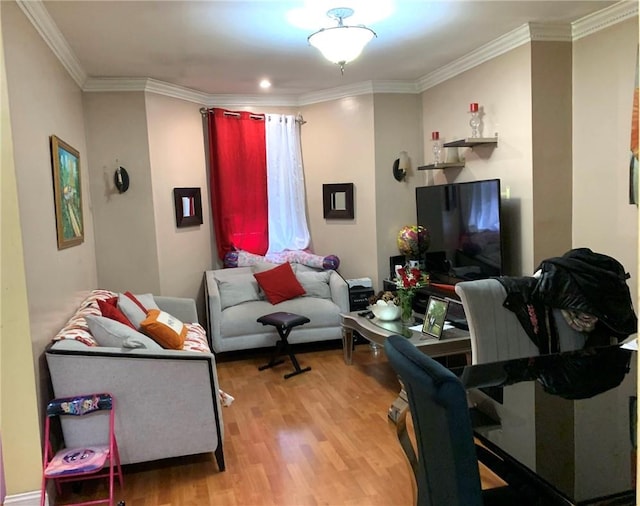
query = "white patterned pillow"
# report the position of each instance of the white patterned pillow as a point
(76, 327)
(196, 339)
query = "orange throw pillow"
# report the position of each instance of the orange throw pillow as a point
(279, 284)
(164, 329)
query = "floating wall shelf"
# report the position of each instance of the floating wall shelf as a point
(471, 142)
(443, 165)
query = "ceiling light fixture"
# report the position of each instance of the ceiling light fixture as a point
(343, 43)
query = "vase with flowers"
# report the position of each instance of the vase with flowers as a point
(409, 279)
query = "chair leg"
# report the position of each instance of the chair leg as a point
(119, 473)
(43, 491)
(274, 356)
(296, 365)
(284, 348)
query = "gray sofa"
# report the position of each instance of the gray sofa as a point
(234, 302)
(167, 402)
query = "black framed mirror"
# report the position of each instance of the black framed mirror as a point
(337, 201)
(188, 206)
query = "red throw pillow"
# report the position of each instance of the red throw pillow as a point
(279, 284)
(110, 310)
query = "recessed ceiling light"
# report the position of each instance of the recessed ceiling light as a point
(265, 83)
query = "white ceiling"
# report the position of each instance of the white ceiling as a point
(226, 47)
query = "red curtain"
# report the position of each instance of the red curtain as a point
(238, 181)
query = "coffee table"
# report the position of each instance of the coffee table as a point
(376, 331)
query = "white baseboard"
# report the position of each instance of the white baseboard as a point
(27, 499)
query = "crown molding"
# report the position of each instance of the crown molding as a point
(121, 84)
(228, 100)
(172, 90)
(50, 33)
(497, 47)
(352, 90)
(605, 18)
(102, 84)
(550, 32)
(507, 42)
(46, 27)
(395, 87)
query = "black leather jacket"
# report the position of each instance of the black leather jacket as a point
(580, 280)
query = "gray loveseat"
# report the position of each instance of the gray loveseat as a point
(167, 402)
(234, 303)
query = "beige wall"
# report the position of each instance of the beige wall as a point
(603, 79)
(19, 425)
(397, 127)
(338, 147)
(177, 155)
(506, 107)
(348, 140)
(604, 66)
(551, 141)
(126, 249)
(44, 100)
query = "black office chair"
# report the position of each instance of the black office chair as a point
(446, 467)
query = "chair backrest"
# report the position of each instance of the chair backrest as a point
(447, 471)
(79, 405)
(72, 411)
(495, 332)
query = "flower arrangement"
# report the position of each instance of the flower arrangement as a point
(408, 281)
(413, 241)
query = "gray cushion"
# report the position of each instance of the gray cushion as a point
(132, 311)
(263, 267)
(241, 289)
(111, 333)
(315, 284)
(232, 273)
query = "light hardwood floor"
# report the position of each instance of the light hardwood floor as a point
(320, 438)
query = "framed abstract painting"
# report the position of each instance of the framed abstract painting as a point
(67, 193)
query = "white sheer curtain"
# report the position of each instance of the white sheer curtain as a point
(285, 185)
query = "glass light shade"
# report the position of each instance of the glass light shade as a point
(341, 44)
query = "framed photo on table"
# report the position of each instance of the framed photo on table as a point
(67, 191)
(434, 317)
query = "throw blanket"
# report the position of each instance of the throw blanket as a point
(244, 259)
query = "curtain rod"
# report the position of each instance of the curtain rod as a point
(299, 119)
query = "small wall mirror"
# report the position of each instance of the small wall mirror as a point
(337, 200)
(188, 206)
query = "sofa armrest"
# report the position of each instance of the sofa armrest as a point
(339, 291)
(183, 309)
(167, 402)
(214, 308)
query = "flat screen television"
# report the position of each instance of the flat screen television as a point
(463, 220)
